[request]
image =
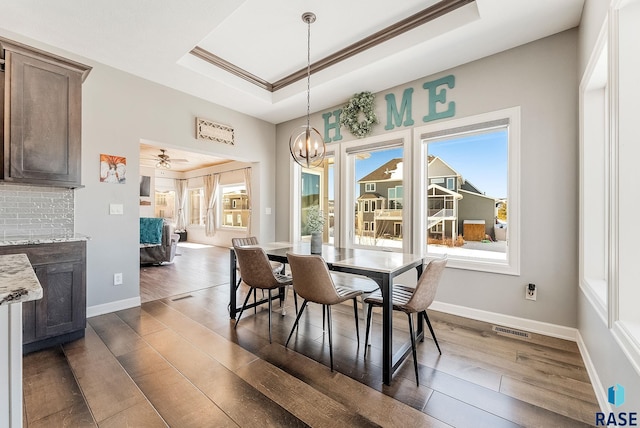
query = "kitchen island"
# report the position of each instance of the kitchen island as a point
(18, 284)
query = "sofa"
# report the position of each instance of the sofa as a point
(158, 243)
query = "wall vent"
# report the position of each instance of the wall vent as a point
(506, 331)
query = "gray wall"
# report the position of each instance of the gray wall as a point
(118, 111)
(541, 78)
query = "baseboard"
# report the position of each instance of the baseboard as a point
(598, 389)
(118, 305)
(532, 326)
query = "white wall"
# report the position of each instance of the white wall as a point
(118, 111)
(608, 362)
(541, 78)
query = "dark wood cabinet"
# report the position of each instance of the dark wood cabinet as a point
(60, 316)
(42, 118)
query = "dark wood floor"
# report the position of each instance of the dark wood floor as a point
(179, 362)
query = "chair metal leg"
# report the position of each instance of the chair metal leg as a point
(295, 300)
(255, 299)
(324, 320)
(366, 338)
(330, 335)
(295, 324)
(242, 310)
(413, 347)
(355, 313)
(269, 291)
(426, 317)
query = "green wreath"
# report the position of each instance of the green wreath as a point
(362, 102)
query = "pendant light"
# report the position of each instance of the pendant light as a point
(306, 144)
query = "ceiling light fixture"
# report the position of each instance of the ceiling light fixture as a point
(306, 144)
(163, 160)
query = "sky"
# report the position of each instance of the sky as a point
(480, 158)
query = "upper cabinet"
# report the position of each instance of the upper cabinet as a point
(42, 117)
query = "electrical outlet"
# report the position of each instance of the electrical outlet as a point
(117, 279)
(531, 292)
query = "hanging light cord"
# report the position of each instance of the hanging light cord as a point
(308, 69)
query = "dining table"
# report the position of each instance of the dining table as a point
(379, 265)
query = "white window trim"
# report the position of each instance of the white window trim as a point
(369, 187)
(625, 331)
(512, 264)
(595, 290)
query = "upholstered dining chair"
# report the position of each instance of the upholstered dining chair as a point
(257, 273)
(410, 301)
(277, 267)
(313, 282)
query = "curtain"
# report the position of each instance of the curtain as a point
(247, 183)
(180, 187)
(211, 184)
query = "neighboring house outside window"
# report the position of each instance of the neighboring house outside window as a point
(380, 213)
(234, 206)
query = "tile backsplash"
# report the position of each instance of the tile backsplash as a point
(35, 210)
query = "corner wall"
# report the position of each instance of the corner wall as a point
(119, 110)
(541, 78)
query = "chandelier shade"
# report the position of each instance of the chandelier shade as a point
(306, 145)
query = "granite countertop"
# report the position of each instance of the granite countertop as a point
(6, 240)
(18, 281)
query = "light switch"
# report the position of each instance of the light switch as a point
(116, 209)
(267, 211)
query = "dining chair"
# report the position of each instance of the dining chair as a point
(256, 272)
(410, 301)
(252, 240)
(313, 282)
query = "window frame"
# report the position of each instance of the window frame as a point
(190, 206)
(594, 288)
(346, 166)
(475, 124)
(220, 206)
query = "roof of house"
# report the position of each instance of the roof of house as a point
(386, 172)
(370, 196)
(444, 190)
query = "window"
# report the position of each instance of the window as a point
(461, 218)
(165, 205)
(196, 207)
(316, 188)
(376, 215)
(370, 187)
(310, 196)
(594, 176)
(451, 183)
(234, 206)
(395, 198)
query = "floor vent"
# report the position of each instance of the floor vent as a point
(181, 297)
(506, 331)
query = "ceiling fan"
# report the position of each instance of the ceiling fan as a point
(164, 161)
